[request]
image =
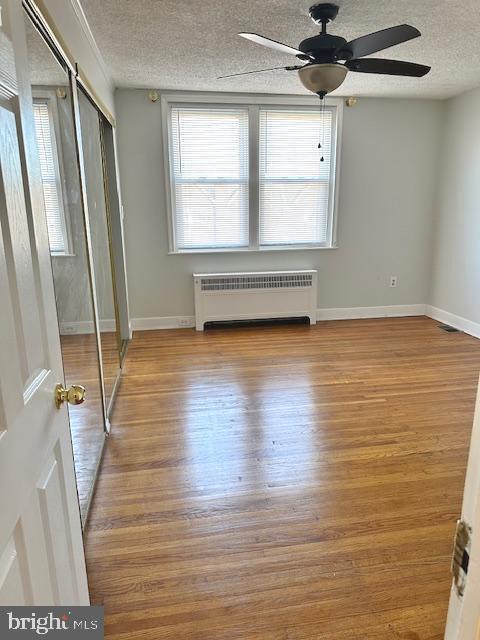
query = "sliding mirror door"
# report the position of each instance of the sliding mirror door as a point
(67, 232)
(100, 230)
(115, 225)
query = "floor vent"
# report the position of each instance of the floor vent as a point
(448, 328)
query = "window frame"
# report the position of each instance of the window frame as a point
(254, 103)
(49, 97)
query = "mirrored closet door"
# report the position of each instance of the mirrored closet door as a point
(72, 276)
(76, 156)
(100, 233)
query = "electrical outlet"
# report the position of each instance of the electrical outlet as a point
(393, 281)
(184, 322)
(68, 328)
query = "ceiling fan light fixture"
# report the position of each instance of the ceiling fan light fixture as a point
(322, 78)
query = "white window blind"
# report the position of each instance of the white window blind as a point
(295, 186)
(209, 173)
(52, 193)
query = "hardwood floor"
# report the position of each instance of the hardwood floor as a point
(284, 483)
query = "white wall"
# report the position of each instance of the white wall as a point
(455, 285)
(389, 162)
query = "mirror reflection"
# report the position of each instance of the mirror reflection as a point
(98, 215)
(55, 136)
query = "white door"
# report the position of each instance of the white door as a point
(463, 622)
(41, 550)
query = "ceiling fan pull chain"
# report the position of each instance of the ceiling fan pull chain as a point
(320, 132)
(323, 127)
(322, 123)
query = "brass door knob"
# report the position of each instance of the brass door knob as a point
(73, 395)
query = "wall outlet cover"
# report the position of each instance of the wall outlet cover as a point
(68, 328)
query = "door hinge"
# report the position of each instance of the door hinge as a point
(461, 555)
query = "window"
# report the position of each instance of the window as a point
(210, 177)
(294, 183)
(250, 176)
(50, 175)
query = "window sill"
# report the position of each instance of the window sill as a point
(63, 255)
(248, 250)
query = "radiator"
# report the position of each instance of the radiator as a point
(258, 295)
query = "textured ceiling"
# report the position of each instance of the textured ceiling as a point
(43, 66)
(168, 44)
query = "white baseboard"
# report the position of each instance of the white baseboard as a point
(166, 322)
(356, 313)
(468, 326)
(341, 313)
(85, 326)
(393, 311)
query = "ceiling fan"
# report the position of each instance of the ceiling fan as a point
(329, 58)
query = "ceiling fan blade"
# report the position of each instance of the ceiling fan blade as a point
(272, 44)
(244, 73)
(388, 67)
(373, 42)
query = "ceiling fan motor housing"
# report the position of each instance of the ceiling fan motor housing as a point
(325, 48)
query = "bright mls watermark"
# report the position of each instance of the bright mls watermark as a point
(59, 622)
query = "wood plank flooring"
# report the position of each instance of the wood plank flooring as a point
(284, 483)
